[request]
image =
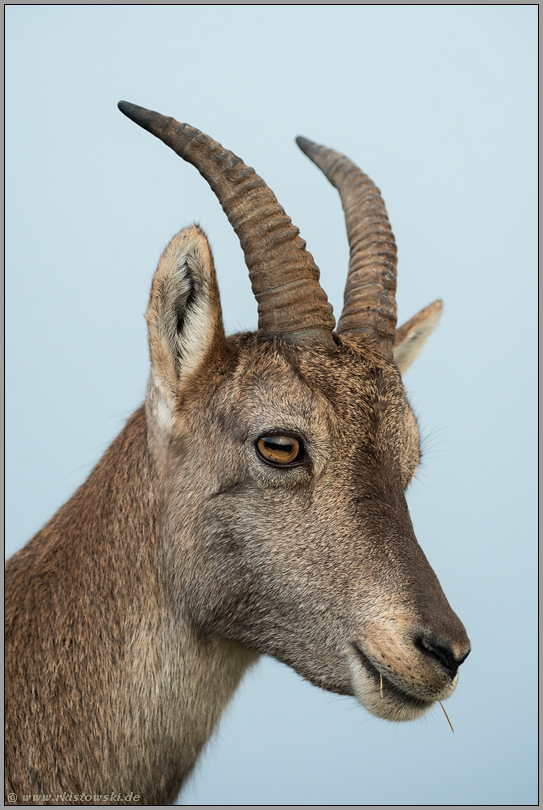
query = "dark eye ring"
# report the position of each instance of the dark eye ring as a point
(280, 451)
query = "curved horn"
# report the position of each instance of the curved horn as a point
(369, 304)
(284, 276)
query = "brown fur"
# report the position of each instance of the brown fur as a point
(133, 614)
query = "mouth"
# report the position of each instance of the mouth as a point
(379, 691)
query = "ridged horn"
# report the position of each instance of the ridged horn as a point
(369, 304)
(284, 276)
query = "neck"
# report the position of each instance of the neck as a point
(127, 687)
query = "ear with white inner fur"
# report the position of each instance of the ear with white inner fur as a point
(411, 337)
(184, 317)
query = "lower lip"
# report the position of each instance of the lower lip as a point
(382, 682)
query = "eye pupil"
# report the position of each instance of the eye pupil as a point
(280, 450)
(278, 446)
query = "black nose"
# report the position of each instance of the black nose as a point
(443, 653)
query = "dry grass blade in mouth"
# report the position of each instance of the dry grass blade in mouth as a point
(447, 716)
(381, 684)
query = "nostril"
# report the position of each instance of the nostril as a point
(442, 652)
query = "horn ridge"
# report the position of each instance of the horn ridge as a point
(275, 254)
(369, 301)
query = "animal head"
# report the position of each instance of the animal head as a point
(285, 453)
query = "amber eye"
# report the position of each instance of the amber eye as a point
(280, 450)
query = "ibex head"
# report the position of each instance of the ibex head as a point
(285, 453)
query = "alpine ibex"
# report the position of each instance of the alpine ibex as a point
(254, 504)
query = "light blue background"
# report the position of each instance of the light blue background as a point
(438, 105)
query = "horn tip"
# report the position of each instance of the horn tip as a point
(125, 107)
(140, 115)
(305, 144)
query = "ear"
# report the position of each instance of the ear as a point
(184, 316)
(411, 337)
